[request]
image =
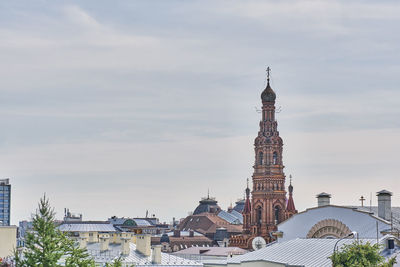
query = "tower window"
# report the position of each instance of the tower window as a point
(260, 158)
(259, 219)
(275, 158)
(277, 214)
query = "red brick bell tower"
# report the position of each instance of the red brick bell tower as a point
(269, 205)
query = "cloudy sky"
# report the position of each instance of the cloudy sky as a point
(118, 107)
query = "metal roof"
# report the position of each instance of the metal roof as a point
(228, 217)
(136, 258)
(86, 227)
(237, 215)
(374, 210)
(298, 252)
(364, 223)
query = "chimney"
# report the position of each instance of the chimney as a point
(384, 204)
(191, 233)
(323, 199)
(177, 233)
(83, 238)
(125, 246)
(156, 254)
(104, 240)
(143, 244)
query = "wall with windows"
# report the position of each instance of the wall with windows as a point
(5, 197)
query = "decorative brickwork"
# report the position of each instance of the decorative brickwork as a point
(329, 228)
(269, 202)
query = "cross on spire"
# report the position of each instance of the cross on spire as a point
(290, 178)
(268, 73)
(247, 182)
(362, 199)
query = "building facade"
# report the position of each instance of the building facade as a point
(269, 204)
(5, 202)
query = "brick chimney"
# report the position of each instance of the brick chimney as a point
(385, 204)
(323, 199)
(143, 244)
(177, 233)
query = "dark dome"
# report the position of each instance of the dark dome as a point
(164, 238)
(268, 95)
(207, 205)
(239, 205)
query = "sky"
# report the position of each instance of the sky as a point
(118, 107)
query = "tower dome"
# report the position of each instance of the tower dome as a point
(268, 95)
(207, 204)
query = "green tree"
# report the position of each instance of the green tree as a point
(360, 254)
(46, 245)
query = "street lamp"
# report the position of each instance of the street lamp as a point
(354, 234)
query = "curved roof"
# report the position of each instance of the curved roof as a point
(208, 205)
(268, 95)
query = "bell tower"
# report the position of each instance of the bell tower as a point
(268, 205)
(268, 194)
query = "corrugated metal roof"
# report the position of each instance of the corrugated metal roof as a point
(237, 215)
(302, 252)
(136, 258)
(228, 217)
(142, 222)
(86, 227)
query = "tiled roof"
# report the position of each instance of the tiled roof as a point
(86, 227)
(207, 223)
(298, 252)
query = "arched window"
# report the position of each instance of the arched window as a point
(275, 158)
(277, 209)
(259, 218)
(260, 158)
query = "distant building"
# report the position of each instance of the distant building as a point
(5, 202)
(8, 240)
(139, 225)
(178, 240)
(71, 217)
(331, 221)
(208, 217)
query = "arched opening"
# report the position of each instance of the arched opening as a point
(277, 211)
(275, 158)
(260, 158)
(259, 214)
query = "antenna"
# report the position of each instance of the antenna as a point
(370, 202)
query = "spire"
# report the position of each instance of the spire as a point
(247, 205)
(290, 204)
(268, 73)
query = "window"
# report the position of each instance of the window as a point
(275, 158)
(259, 215)
(277, 209)
(260, 158)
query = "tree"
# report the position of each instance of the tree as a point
(46, 245)
(359, 254)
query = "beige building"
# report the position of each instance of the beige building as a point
(8, 240)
